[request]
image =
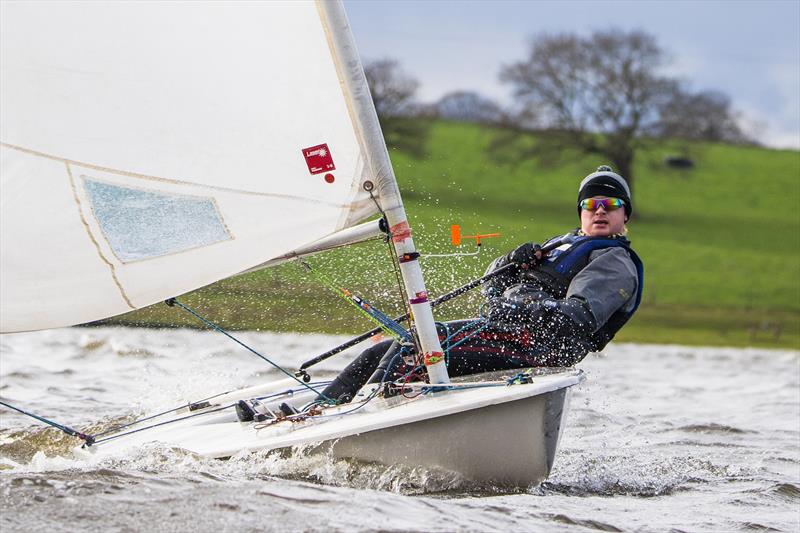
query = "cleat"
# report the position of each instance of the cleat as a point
(287, 409)
(244, 412)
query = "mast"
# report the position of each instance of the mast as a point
(365, 122)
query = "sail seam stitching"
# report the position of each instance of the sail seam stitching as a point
(167, 180)
(111, 266)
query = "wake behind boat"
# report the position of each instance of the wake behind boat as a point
(172, 160)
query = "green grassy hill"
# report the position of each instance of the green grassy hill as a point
(720, 242)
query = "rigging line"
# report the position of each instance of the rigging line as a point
(445, 341)
(139, 421)
(462, 254)
(151, 417)
(89, 439)
(427, 388)
(376, 391)
(390, 367)
(400, 285)
(172, 301)
(438, 301)
(409, 373)
(389, 326)
(145, 419)
(466, 337)
(398, 276)
(446, 346)
(464, 327)
(372, 395)
(407, 379)
(112, 437)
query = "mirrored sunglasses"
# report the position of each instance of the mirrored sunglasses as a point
(608, 204)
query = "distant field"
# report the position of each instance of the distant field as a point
(720, 243)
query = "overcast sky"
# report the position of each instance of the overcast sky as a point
(748, 49)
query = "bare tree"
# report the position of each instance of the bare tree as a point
(468, 106)
(393, 93)
(599, 95)
(392, 89)
(705, 116)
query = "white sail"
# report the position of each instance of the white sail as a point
(149, 149)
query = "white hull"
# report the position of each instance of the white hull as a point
(513, 443)
(489, 433)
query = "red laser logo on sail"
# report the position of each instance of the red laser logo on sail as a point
(319, 159)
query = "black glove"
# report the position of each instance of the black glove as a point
(526, 255)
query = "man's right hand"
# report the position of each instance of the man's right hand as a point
(526, 255)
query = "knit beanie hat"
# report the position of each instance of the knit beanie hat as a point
(605, 182)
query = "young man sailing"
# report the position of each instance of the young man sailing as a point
(561, 300)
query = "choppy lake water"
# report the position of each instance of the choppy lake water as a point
(659, 438)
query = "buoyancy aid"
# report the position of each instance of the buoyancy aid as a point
(571, 256)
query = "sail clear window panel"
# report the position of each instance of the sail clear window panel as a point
(140, 224)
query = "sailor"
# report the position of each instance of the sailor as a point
(563, 299)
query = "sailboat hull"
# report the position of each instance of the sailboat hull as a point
(510, 444)
(486, 431)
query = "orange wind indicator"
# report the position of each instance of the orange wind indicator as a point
(456, 236)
